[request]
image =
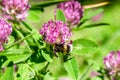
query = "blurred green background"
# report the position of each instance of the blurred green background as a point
(107, 37)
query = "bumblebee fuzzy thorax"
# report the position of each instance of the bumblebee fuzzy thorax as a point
(63, 48)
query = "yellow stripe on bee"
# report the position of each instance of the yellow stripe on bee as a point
(65, 49)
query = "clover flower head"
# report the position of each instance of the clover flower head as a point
(12, 9)
(72, 10)
(112, 62)
(5, 31)
(55, 31)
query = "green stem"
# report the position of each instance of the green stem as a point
(61, 58)
(24, 28)
(29, 29)
(43, 71)
(22, 36)
(31, 70)
(18, 41)
(45, 68)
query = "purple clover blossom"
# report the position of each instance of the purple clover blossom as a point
(55, 31)
(72, 10)
(5, 31)
(112, 63)
(15, 9)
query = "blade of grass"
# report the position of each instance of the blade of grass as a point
(86, 71)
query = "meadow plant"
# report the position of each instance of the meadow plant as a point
(27, 53)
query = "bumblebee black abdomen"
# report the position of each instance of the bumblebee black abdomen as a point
(63, 48)
(59, 47)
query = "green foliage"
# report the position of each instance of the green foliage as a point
(96, 25)
(8, 75)
(47, 3)
(48, 77)
(60, 15)
(23, 72)
(16, 56)
(27, 25)
(46, 55)
(34, 15)
(35, 59)
(86, 72)
(96, 78)
(72, 68)
(88, 16)
(84, 46)
(91, 26)
(11, 40)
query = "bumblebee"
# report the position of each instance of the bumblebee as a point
(63, 48)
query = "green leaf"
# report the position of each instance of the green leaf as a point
(92, 14)
(36, 36)
(84, 46)
(34, 15)
(46, 56)
(91, 25)
(89, 15)
(11, 40)
(27, 25)
(86, 72)
(22, 36)
(48, 76)
(60, 15)
(96, 25)
(36, 39)
(17, 42)
(96, 78)
(8, 75)
(47, 3)
(15, 55)
(38, 66)
(72, 68)
(24, 72)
